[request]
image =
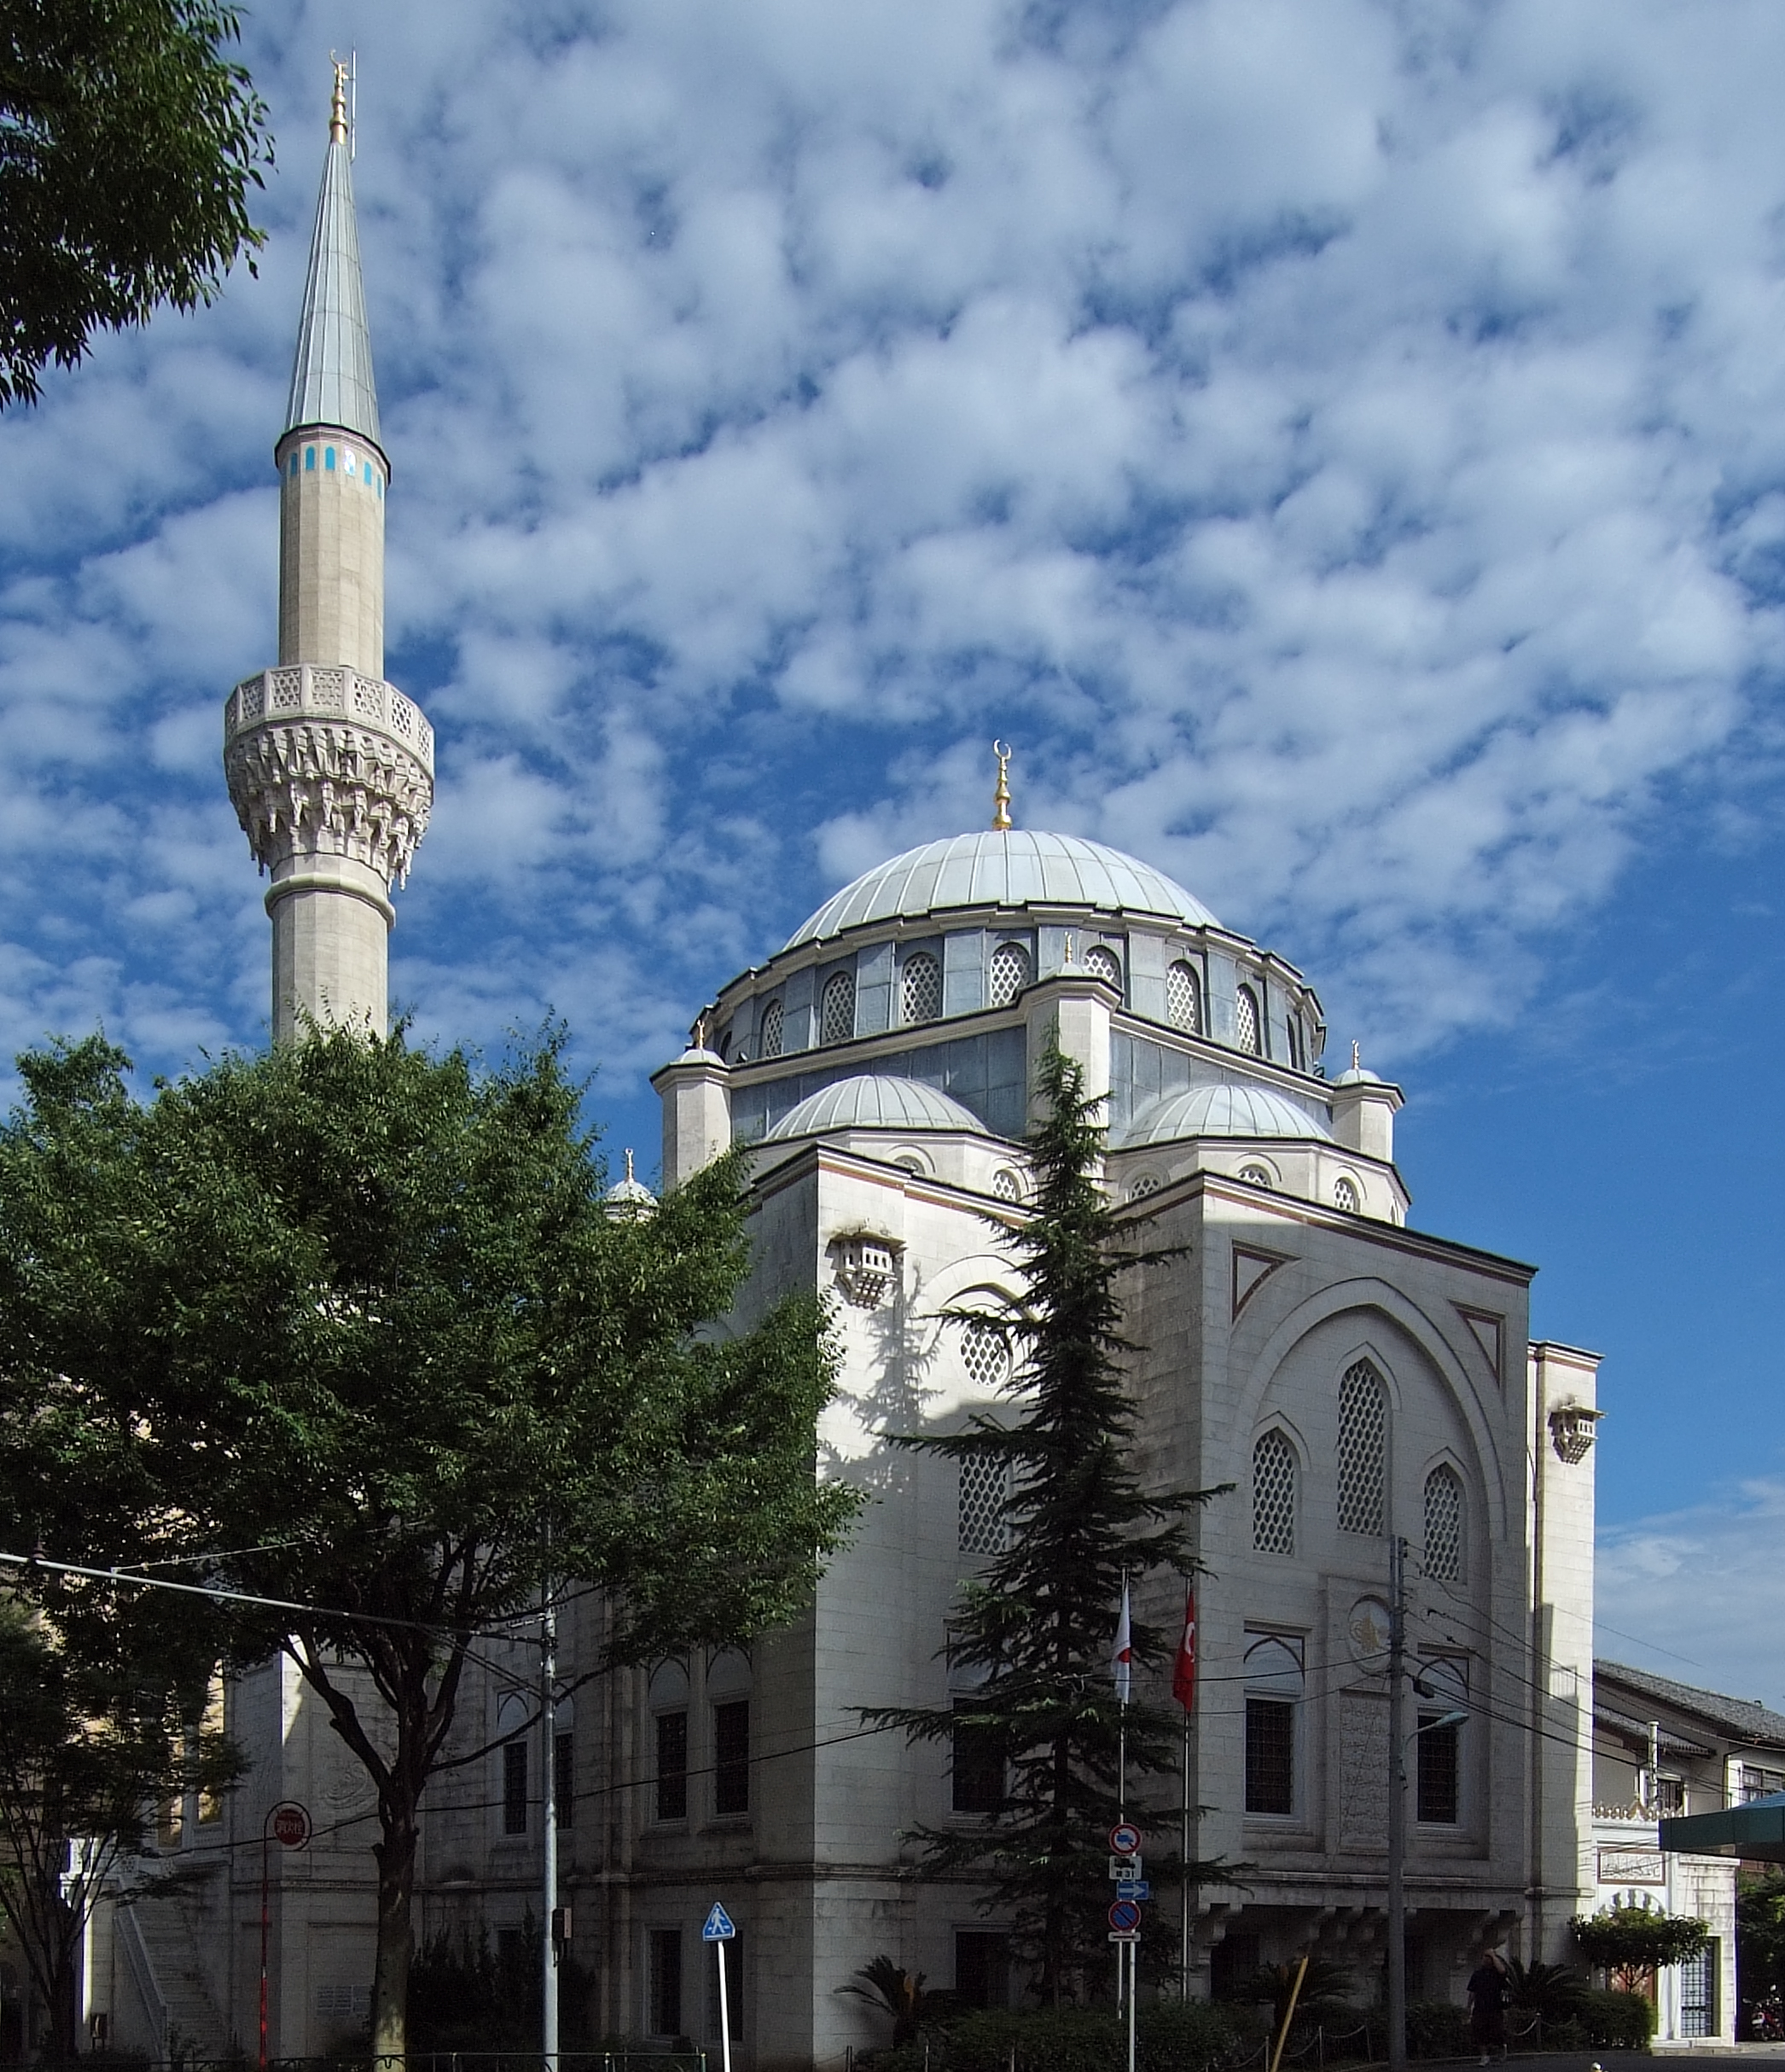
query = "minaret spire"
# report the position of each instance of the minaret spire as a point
(330, 768)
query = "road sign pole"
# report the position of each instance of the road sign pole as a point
(725, 2012)
(549, 1825)
(1134, 1980)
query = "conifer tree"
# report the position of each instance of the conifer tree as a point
(1033, 1632)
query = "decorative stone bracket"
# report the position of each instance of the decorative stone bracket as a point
(1570, 1430)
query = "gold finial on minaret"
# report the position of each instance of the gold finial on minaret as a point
(1357, 1056)
(1000, 797)
(629, 1165)
(338, 106)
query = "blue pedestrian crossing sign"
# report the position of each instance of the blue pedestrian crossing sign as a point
(718, 1926)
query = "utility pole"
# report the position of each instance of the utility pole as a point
(1397, 1806)
(548, 1816)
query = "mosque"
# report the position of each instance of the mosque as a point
(1351, 1377)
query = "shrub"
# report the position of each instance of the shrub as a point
(1437, 2029)
(1169, 2036)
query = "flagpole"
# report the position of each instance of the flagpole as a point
(1185, 1847)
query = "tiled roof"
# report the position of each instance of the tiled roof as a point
(1745, 1719)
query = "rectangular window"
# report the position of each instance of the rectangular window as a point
(665, 1981)
(564, 1779)
(976, 1769)
(982, 1969)
(1269, 1756)
(733, 1989)
(1698, 1992)
(672, 1766)
(1670, 1794)
(1760, 1784)
(731, 1757)
(310, 460)
(514, 1787)
(1440, 1786)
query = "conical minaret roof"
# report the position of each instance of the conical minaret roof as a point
(331, 378)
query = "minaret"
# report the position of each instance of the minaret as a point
(330, 768)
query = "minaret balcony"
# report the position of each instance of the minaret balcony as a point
(312, 691)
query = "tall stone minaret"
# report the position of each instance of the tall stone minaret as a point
(330, 768)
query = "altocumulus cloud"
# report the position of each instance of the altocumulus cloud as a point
(1343, 444)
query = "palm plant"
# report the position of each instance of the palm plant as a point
(890, 1987)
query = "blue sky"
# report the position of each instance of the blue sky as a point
(1342, 445)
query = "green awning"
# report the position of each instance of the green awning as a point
(1756, 1830)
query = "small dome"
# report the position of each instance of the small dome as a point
(630, 1196)
(876, 1101)
(1220, 1111)
(1011, 868)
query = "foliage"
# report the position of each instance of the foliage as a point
(1760, 1944)
(1553, 1991)
(1170, 2036)
(128, 144)
(356, 1312)
(1630, 1943)
(1437, 2029)
(1327, 1992)
(93, 1737)
(1606, 2021)
(465, 1996)
(889, 1987)
(1032, 1634)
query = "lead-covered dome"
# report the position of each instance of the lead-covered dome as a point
(876, 1101)
(1011, 867)
(1220, 1111)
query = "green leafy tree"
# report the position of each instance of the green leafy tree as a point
(129, 141)
(92, 1739)
(1032, 1634)
(1631, 1944)
(1760, 1945)
(358, 1309)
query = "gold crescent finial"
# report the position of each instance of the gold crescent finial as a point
(629, 1165)
(338, 105)
(1357, 1055)
(1000, 797)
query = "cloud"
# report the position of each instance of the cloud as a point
(1703, 1589)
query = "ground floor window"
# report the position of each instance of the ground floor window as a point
(1440, 1769)
(1269, 1756)
(664, 1981)
(1698, 1992)
(982, 1967)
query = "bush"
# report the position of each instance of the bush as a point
(1437, 2029)
(1169, 2036)
(1606, 2021)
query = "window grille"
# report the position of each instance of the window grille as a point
(836, 1013)
(922, 993)
(1010, 972)
(1246, 1020)
(1102, 962)
(1255, 1176)
(1184, 998)
(1345, 1195)
(1269, 1756)
(672, 1766)
(976, 1767)
(1362, 1450)
(1698, 1992)
(1444, 1524)
(513, 1788)
(1148, 1183)
(564, 1779)
(731, 1757)
(1440, 1770)
(1273, 1494)
(985, 1352)
(985, 1486)
(1006, 1186)
(769, 1043)
(664, 1981)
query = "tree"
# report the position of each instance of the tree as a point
(1032, 1634)
(128, 144)
(1760, 1949)
(1631, 1943)
(91, 1739)
(359, 1309)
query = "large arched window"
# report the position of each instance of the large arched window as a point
(1184, 998)
(1010, 973)
(1102, 962)
(1246, 1020)
(768, 1044)
(1273, 1494)
(836, 1012)
(921, 996)
(1444, 1524)
(1363, 1450)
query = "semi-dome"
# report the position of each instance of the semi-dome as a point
(1005, 867)
(1220, 1111)
(876, 1101)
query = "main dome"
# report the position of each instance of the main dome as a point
(1008, 867)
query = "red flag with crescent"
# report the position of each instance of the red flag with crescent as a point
(1183, 1671)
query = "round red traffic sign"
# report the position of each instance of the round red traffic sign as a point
(1124, 1839)
(1125, 1917)
(290, 1825)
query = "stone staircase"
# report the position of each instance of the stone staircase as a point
(195, 2028)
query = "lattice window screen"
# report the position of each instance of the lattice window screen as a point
(1010, 972)
(1345, 1195)
(1006, 1186)
(770, 1046)
(1184, 998)
(985, 1352)
(1103, 963)
(985, 1485)
(922, 987)
(1273, 1494)
(1363, 1450)
(1246, 1020)
(1444, 1524)
(836, 1020)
